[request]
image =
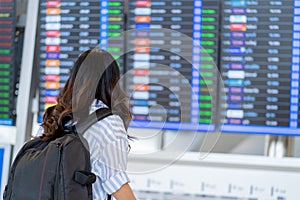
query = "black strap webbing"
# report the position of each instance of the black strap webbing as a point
(84, 177)
(92, 119)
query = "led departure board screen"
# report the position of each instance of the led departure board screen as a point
(171, 80)
(174, 51)
(7, 66)
(65, 30)
(260, 66)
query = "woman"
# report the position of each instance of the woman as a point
(93, 84)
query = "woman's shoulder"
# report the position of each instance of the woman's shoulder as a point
(114, 119)
(108, 129)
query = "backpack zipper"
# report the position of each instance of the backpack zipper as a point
(59, 147)
(43, 174)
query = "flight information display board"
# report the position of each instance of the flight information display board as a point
(66, 29)
(260, 61)
(7, 65)
(173, 88)
(171, 68)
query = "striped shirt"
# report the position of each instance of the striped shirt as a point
(108, 145)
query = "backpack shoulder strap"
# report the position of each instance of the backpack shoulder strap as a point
(93, 118)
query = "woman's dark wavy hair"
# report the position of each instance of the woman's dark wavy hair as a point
(95, 75)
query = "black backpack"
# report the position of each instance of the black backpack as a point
(58, 169)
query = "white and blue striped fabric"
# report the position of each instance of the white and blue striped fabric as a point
(108, 145)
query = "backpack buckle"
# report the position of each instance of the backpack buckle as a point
(84, 177)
